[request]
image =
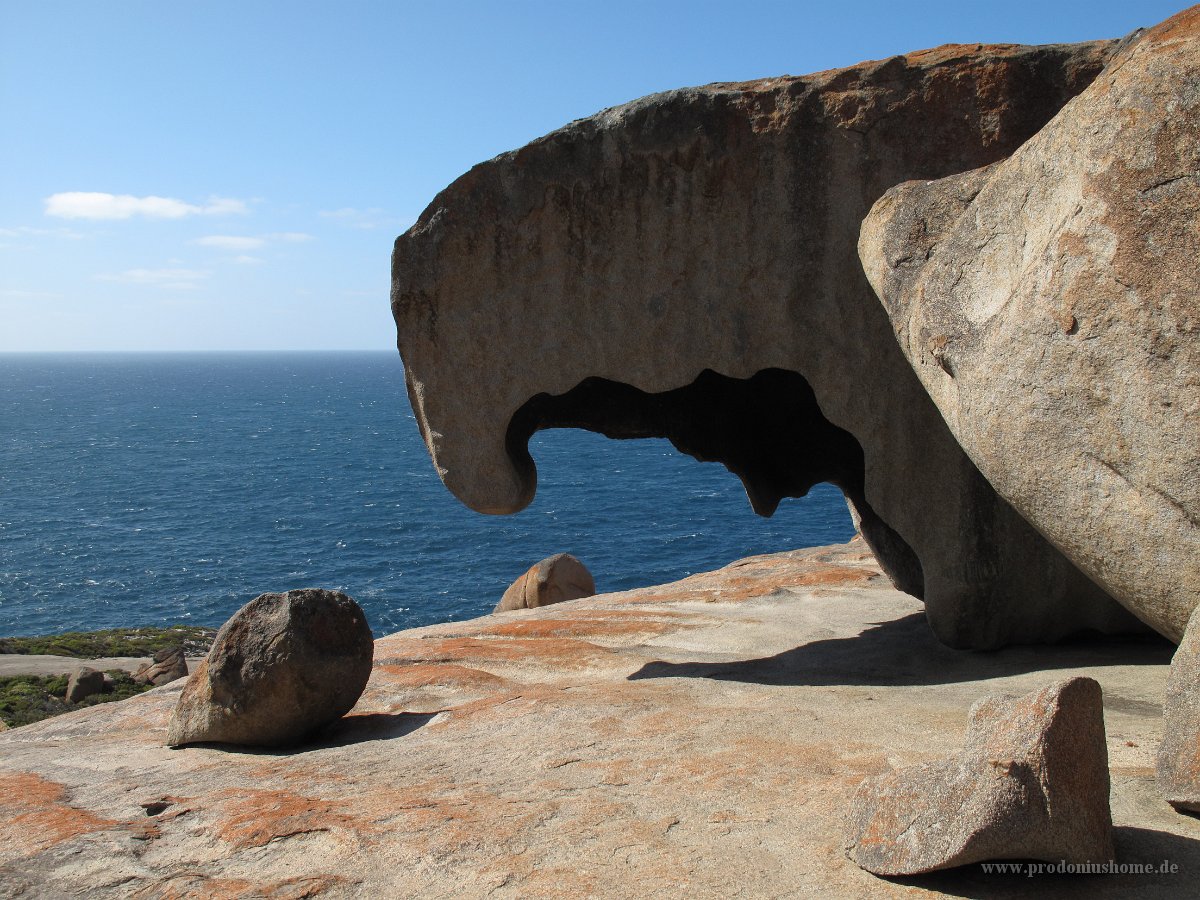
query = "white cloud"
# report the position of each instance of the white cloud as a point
(97, 205)
(224, 206)
(175, 279)
(237, 243)
(246, 260)
(230, 242)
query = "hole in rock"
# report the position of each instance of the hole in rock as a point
(767, 429)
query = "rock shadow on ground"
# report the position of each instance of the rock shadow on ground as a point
(353, 729)
(905, 652)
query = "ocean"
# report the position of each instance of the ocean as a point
(153, 489)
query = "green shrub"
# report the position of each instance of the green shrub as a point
(114, 642)
(30, 698)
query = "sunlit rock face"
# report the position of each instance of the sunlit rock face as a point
(1050, 305)
(691, 257)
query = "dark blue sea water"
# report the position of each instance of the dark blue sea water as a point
(155, 489)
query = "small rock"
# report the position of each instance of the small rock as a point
(83, 683)
(1179, 753)
(284, 666)
(1031, 783)
(553, 580)
(169, 665)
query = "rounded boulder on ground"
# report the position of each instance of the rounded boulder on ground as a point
(284, 666)
(553, 580)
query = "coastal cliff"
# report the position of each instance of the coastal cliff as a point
(697, 738)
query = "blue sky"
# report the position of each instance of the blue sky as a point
(200, 176)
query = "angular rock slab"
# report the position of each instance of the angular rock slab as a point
(1050, 305)
(1031, 783)
(622, 273)
(553, 580)
(1178, 769)
(83, 683)
(284, 666)
(169, 664)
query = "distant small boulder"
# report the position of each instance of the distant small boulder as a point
(83, 683)
(553, 580)
(284, 666)
(169, 665)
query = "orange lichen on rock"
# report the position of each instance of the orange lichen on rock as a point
(35, 815)
(619, 625)
(1181, 26)
(564, 652)
(418, 675)
(195, 886)
(758, 583)
(948, 52)
(253, 818)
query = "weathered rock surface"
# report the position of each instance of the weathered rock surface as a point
(1179, 755)
(84, 682)
(166, 666)
(697, 739)
(686, 266)
(283, 667)
(1051, 306)
(553, 580)
(1031, 783)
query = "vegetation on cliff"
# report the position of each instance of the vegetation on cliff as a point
(194, 639)
(31, 698)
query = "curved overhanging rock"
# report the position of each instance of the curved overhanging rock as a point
(714, 230)
(1050, 305)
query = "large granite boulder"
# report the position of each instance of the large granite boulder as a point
(553, 580)
(1050, 304)
(686, 266)
(283, 667)
(1178, 769)
(1030, 783)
